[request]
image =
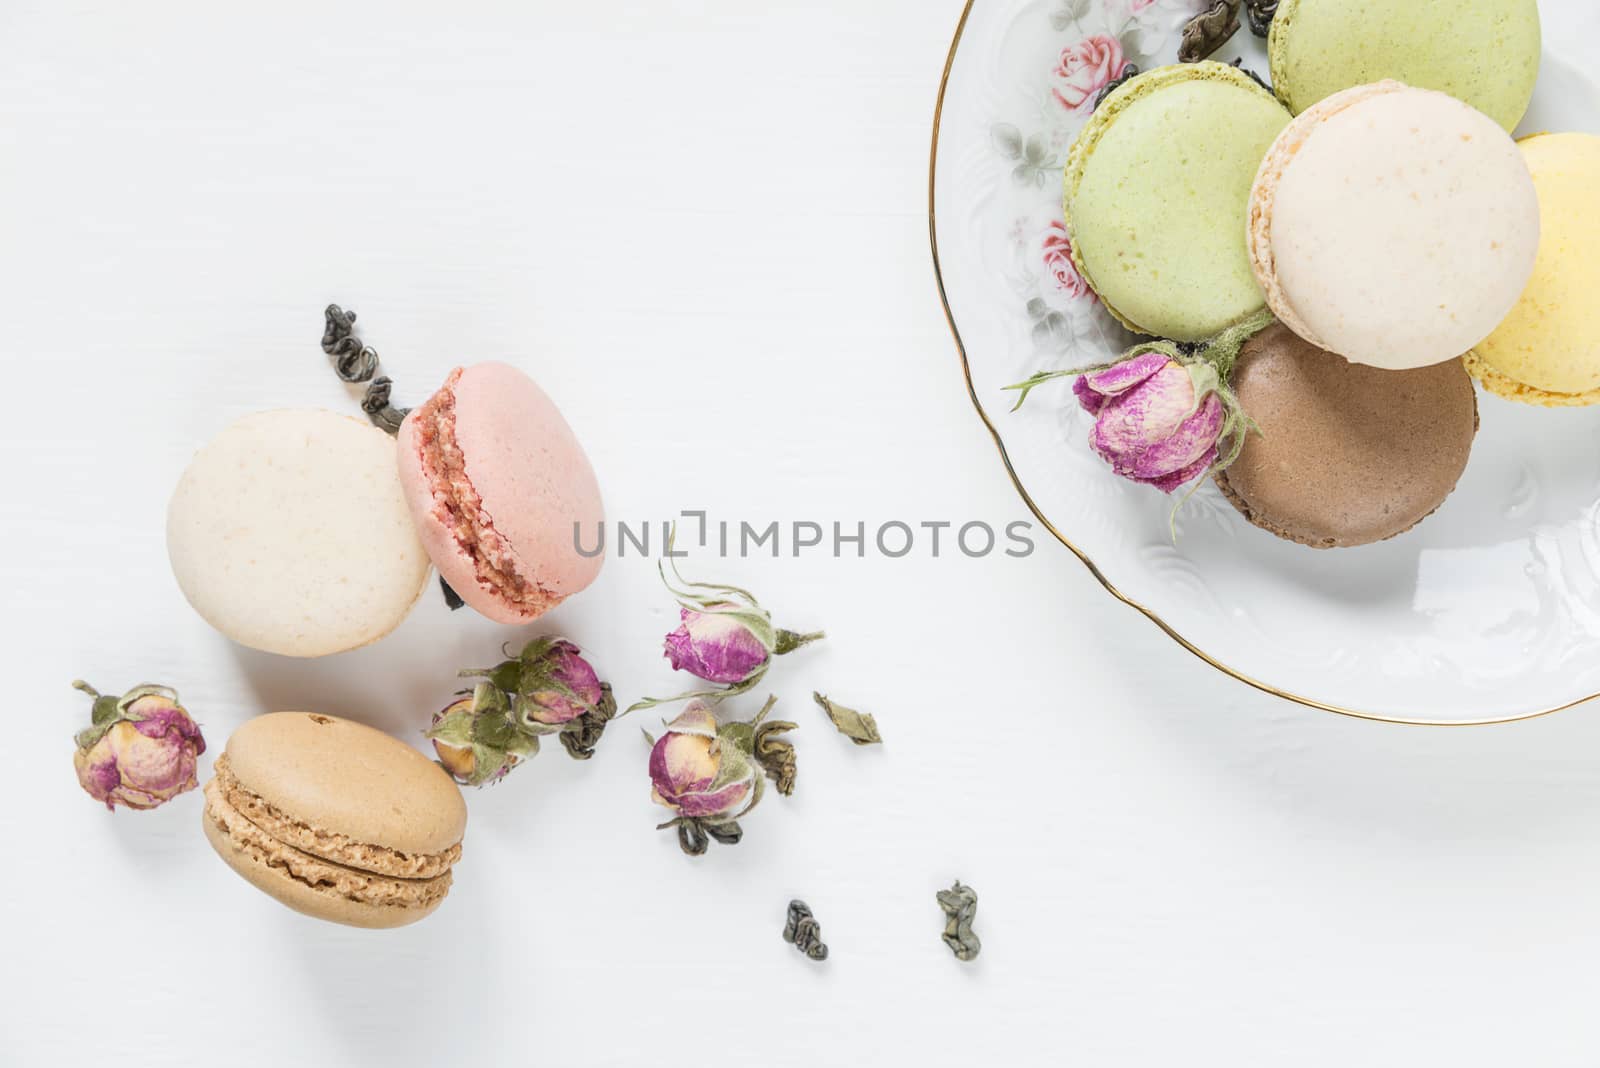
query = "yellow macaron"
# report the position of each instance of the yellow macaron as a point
(1547, 352)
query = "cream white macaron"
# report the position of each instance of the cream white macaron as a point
(289, 533)
(1394, 226)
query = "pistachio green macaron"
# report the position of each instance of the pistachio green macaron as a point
(1484, 52)
(1157, 196)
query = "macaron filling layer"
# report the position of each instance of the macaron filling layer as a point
(459, 509)
(327, 845)
(1503, 385)
(323, 875)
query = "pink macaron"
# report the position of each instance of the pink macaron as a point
(498, 486)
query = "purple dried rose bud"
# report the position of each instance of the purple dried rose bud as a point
(548, 688)
(709, 773)
(140, 749)
(555, 683)
(723, 636)
(1164, 417)
(549, 684)
(1157, 421)
(718, 646)
(694, 772)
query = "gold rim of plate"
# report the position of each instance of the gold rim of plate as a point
(1094, 569)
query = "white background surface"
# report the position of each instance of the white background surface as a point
(701, 226)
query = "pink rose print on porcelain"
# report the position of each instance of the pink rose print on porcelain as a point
(1057, 252)
(1086, 68)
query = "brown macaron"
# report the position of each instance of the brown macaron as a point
(1348, 454)
(335, 819)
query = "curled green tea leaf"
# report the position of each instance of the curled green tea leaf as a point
(1261, 13)
(356, 362)
(960, 905)
(802, 931)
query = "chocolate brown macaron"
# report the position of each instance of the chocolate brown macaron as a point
(335, 819)
(1348, 454)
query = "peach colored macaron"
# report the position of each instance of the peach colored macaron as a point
(498, 486)
(335, 819)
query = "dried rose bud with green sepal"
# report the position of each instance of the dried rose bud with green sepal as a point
(724, 636)
(476, 740)
(1164, 415)
(709, 773)
(548, 688)
(139, 750)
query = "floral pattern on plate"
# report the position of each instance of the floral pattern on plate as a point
(1489, 610)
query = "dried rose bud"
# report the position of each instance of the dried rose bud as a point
(476, 739)
(719, 646)
(549, 685)
(461, 760)
(1157, 421)
(1164, 417)
(548, 688)
(140, 748)
(565, 688)
(709, 773)
(723, 637)
(694, 773)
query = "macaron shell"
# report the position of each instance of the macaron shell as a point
(1485, 52)
(1263, 195)
(289, 533)
(1348, 454)
(1547, 351)
(1394, 226)
(318, 902)
(348, 779)
(1157, 187)
(533, 475)
(535, 487)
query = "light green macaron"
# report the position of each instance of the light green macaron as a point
(1157, 192)
(1485, 52)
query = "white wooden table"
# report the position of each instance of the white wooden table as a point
(702, 226)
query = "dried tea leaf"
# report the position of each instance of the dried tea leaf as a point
(804, 932)
(859, 727)
(775, 754)
(1209, 31)
(960, 905)
(1261, 13)
(1130, 71)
